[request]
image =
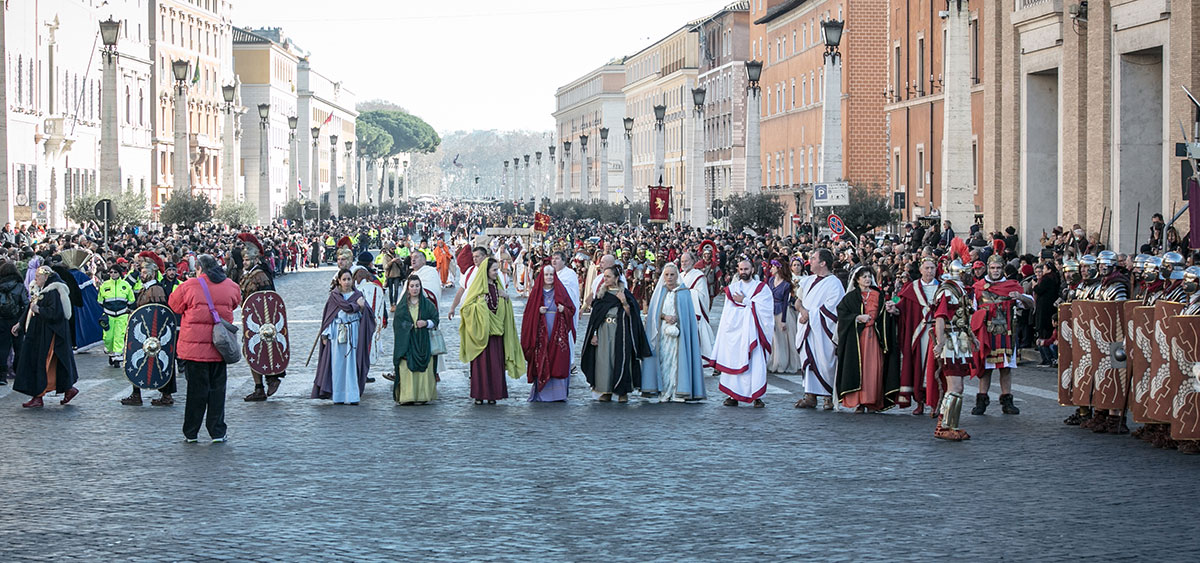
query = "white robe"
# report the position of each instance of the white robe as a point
(815, 339)
(431, 281)
(377, 300)
(570, 280)
(745, 334)
(697, 285)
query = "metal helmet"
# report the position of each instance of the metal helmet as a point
(1191, 279)
(1106, 258)
(1139, 262)
(955, 270)
(1087, 266)
(1172, 265)
(1070, 265)
(1151, 267)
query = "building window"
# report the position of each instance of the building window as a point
(975, 51)
(920, 78)
(899, 91)
(795, 46)
(896, 171)
(793, 93)
(920, 172)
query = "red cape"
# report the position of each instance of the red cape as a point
(548, 355)
(913, 373)
(984, 312)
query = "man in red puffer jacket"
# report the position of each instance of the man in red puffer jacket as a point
(202, 363)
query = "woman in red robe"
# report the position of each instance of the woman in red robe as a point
(547, 330)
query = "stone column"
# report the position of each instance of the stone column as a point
(290, 191)
(604, 165)
(110, 169)
(958, 195)
(264, 171)
(351, 185)
(383, 181)
(696, 196)
(5, 199)
(314, 187)
(753, 158)
(831, 120)
(585, 171)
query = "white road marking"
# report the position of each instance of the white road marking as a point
(1036, 392)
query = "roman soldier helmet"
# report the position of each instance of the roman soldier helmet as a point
(995, 259)
(1106, 258)
(1087, 266)
(254, 248)
(1172, 265)
(1191, 279)
(345, 248)
(1139, 262)
(955, 270)
(1151, 267)
(150, 258)
(1070, 265)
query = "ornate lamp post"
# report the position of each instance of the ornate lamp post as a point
(527, 185)
(697, 198)
(753, 114)
(314, 188)
(628, 187)
(604, 164)
(181, 163)
(831, 113)
(264, 163)
(351, 177)
(110, 169)
(554, 170)
(293, 171)
(539, 190)
(585, 172)
(229, 144)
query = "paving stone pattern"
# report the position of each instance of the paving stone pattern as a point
(304, 480)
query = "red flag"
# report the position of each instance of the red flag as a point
(327, 119)
(660, 204)
(541, 222)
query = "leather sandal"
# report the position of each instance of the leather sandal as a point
(808, 402)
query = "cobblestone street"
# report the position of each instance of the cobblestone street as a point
(306, 480)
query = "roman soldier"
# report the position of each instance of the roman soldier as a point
(994, 321)
(711, 267)
(954, 349)
(1114, 287)
(345, 253)
(257, 277)
(151, 292)
(1156, 430)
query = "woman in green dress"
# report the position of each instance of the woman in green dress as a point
(416, 370)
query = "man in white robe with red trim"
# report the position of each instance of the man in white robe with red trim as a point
(816, 328)
(697, 285)
(745, 334)
(917, 307)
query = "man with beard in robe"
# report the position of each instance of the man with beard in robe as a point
(430, 280)
(816, 321)
(693, 279)
(46, 362)
(547, 332)
(745, 334)
(996, 299)
(916, 335)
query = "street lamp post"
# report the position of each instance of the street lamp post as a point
(335, 209)
(293, 167)
(397, 188)
(516, 183)
(698, 198)
(229, 142)
(585, 172)
(831, 112)
(527, 185)
(753, 114)
(110, 169)
(264, 163)
(314, 187)
(568, 174)
(627, 189)
(181, 164)
(384, 186)
(604, 164)
(540, 187)
(660, 143)
(504, 182)
(404, 187)
(351, 177)
(557, 177)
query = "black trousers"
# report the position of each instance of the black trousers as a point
(205, 392)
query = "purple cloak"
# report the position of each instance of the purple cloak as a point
(323, 383)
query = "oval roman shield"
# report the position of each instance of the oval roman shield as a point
(1083, 369)
(150, 346)
(265, 342)
(1139, 346)
(1109, 381)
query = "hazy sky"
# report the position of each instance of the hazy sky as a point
(469, 64)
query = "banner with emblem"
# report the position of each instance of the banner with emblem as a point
(1139, 339)
(541, 223)
(1065, 355)
(1158, 400)
(1184, 384)
(660, 204)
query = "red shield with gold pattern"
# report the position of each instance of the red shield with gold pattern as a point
(1184, 385)
(1065, 354)
(1139, 347)
(265, 342)
(1158, 403)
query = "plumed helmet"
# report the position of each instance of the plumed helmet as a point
(253, 248)
(154, 260)
(1106, 258)
(1172, 265)
(954, 270)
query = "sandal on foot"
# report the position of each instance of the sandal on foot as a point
(730, 402)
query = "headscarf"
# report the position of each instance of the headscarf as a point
(555, 359)
(479, 323)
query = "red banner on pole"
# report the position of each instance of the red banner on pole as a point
(541, 222)
(660, 204)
